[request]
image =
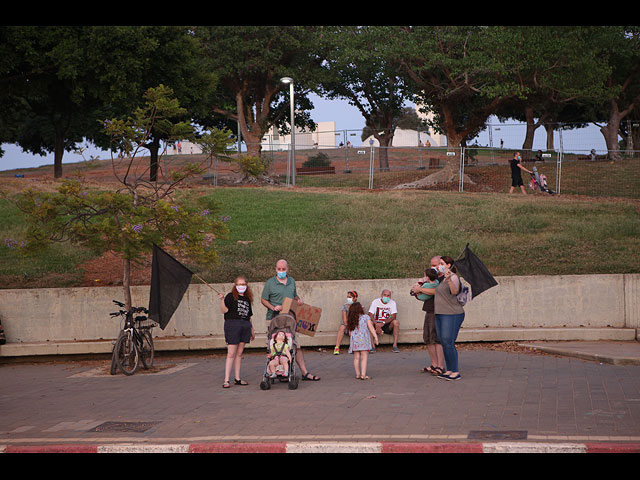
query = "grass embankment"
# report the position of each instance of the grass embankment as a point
(384, 234)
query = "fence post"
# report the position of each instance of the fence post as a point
(371, 157)
(461, 170)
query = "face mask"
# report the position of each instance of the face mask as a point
(441, 268)
(241, 288)
(282, 275)
(385, 299)
(349, 300)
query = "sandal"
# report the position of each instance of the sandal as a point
(239, 382)
(366, 377)
(309, 377)
(433, 370)
(225, 385)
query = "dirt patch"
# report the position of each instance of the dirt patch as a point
(106, 270)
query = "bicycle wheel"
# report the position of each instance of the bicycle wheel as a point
(148, 350)
(127, 356)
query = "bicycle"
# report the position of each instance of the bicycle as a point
(134, 343)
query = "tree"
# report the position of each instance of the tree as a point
(59, 80)
(249, 62)
(563, 73)
(356, 68)
(620, 46)
(461, 74)
(139, 213)
(45, 84)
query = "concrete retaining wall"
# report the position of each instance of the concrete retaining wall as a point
(572, 307)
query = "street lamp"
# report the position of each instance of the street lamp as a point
(289, 80)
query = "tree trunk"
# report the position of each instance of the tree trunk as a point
(611, 129)
(385, 142)
(126, 282)
(153, 147)
(253, 142)
(610, 134)
(57, 155)
(532, 126)
(549, 128)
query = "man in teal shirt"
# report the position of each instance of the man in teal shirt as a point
(276, 289)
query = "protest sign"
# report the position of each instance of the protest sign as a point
(307, 316)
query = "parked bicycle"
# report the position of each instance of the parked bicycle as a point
(135, 341)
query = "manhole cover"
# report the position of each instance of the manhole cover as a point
(124, 427)
(498, 435)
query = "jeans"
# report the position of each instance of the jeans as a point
(447, 327)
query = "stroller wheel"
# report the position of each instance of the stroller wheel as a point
(265, 385)
(293, 384)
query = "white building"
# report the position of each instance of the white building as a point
(324, 136)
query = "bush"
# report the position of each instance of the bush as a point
(318, 160)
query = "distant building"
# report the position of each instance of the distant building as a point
(324, 136)
(408, 138)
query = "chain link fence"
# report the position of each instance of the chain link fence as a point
(481, 167)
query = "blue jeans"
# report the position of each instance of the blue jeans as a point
(447, 328)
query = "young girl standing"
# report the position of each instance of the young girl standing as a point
(361, 331)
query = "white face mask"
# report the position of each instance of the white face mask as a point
(241, 288)
(349, 300)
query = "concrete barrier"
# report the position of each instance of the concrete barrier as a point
(525, 308)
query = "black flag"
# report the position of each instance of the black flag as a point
(169, 280)
(474, 272)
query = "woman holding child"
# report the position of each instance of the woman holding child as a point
(449, 315)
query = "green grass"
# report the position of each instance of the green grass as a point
(58, 263)
(388, 234)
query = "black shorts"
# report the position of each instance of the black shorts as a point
(516, 181)
(237, 331)
(386, 328)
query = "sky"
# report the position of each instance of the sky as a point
(347, 117)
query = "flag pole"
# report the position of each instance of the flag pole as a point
(200, 278)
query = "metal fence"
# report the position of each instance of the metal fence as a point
(578, 163)
(475, 169)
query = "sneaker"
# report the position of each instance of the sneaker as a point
(336, 351)
(395, 349)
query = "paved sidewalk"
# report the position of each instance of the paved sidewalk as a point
(504, 402)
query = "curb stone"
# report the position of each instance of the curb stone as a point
(332, 447)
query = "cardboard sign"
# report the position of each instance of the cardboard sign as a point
(307, 316)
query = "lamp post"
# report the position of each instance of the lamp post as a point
(289, 80)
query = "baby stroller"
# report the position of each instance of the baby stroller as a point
(286, 323)
(539, 181)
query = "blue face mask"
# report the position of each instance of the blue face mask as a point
(282, 275)
(385, 299)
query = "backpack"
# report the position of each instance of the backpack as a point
(464, 295)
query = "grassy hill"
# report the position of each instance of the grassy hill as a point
(352, 233)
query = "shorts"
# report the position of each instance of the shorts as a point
(237, 331)
(386, 328)
(429, 334)
(516, 182)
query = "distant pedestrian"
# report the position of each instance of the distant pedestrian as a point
(516, 175)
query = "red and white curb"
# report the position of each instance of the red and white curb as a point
(332, 447)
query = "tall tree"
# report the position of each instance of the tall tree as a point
(621, 48)
(60, 80)
(461, 74)
(358, 69)
(562, 71)
(249, 62)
